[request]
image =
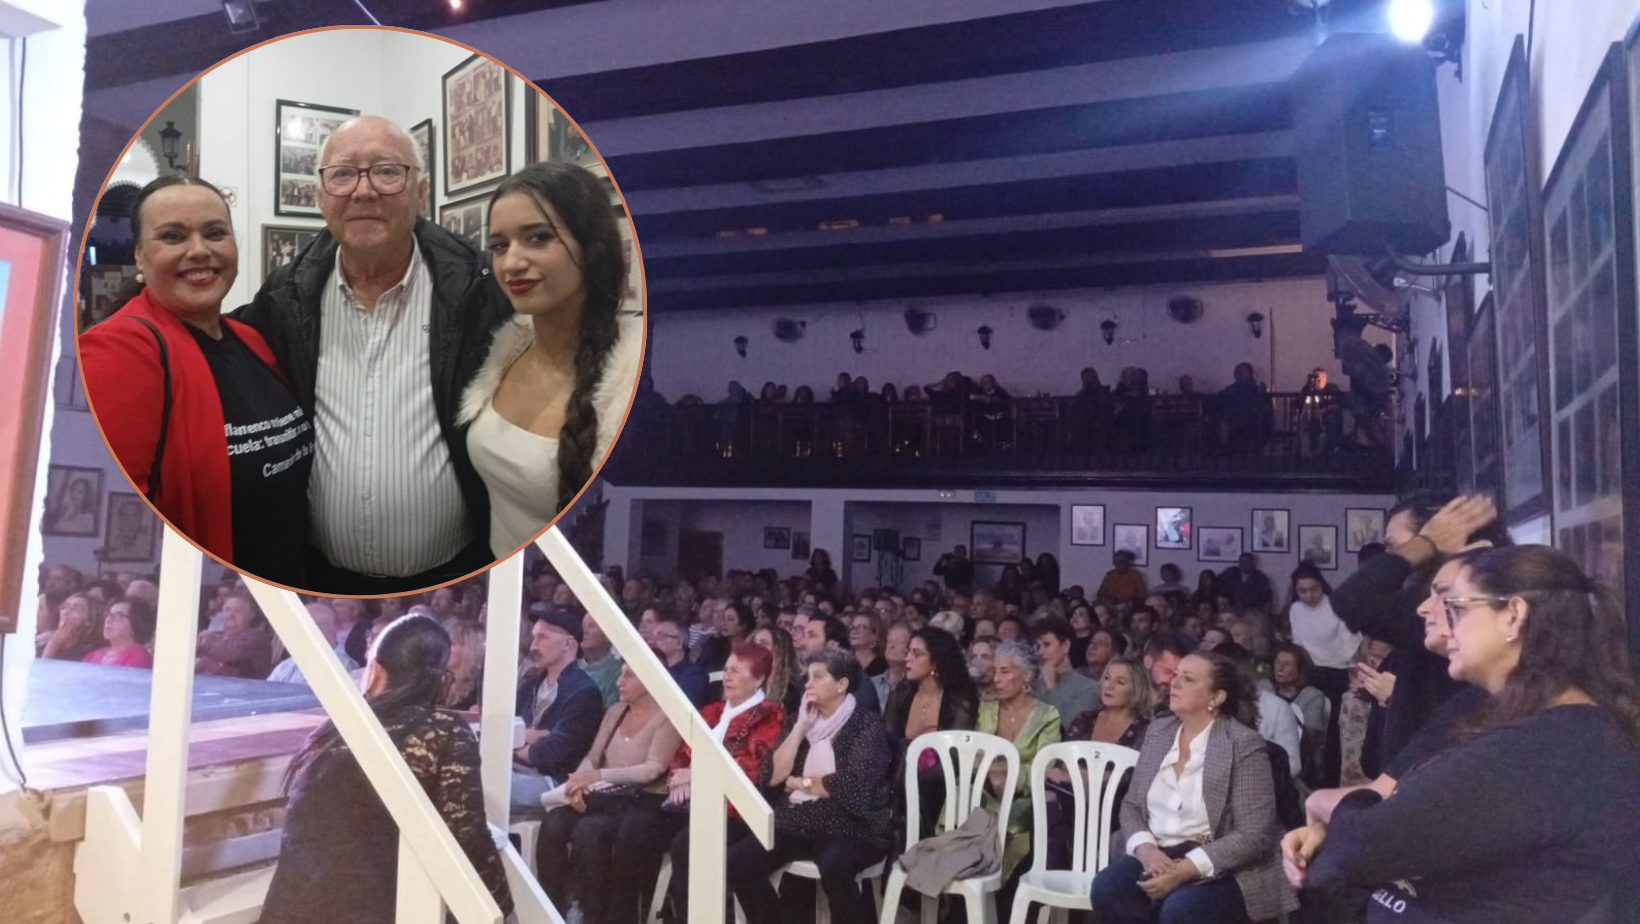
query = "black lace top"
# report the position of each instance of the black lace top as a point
(339, 859)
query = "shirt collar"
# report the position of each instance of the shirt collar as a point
(339, 277)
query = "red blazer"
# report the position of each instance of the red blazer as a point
(125, 385)
(749, 738)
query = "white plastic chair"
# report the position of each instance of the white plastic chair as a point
(663, 881)
(806, 869)
(529, 832)
(966, 758)
(1087, 762)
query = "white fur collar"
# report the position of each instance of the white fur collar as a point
(610, 398)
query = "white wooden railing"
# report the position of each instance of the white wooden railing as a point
(128, 869)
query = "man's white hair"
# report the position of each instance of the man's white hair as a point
(394, 127)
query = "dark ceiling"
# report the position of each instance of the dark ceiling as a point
(1069, 145)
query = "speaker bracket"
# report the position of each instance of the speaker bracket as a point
(1437, 269)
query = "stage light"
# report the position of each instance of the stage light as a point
(241, 16)
(1411, 20)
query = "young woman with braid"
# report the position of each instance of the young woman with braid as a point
(550, 398)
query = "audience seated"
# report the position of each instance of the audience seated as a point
(668, 639)
(1330, 646)
(1290, 680)
(78, 630)
(1016, 715)
(1060, 685)
(827, 633)
(128, 628)
(599, 660)
(466, 689)
(1276, 720)
(324, 619)
(784, 683)
(1123, 583)
(937, 694)
(244, 646)
(563, 709)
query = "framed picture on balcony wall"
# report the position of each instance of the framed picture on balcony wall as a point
(911, 549)
(1272, 531)
(800, 546)
(859, 548)
(1220, 543)
(1362, 527)
(1087, 524)
(1173, 528)
(1133, 539)
(993, 543)
(1483, 401)
(1521, 324)
(1588, 207)
(777, 537)
(1318, 546)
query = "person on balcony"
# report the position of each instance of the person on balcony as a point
(339, 856)
(1318, 414)
(992, 416)
(562, 707)
(1130, 410)
(1243, 412)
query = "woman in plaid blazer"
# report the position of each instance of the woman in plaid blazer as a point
(1199, 821)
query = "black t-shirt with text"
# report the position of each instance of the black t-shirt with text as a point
(270, 453)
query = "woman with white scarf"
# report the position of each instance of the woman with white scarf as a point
(748, 726)
(834, 766)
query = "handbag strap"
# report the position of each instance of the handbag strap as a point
(165, 413)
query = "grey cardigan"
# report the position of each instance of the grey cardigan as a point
(1241, 804)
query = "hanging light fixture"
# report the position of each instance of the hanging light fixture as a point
(1108, 329)
(859, 339)
(740, 345)
(1255, 323)
(169, 136)
(984, 336)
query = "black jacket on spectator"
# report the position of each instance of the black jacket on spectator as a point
(1531, 821)
(571, 721)
(692, 679)
(1377, 601)
(1247, 591)
(860, 795)
(959, 575)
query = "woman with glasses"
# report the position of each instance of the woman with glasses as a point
(550, 398)
(1531, 812)
(937, 694)
(193, 404)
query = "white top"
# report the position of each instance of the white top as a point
(287, 672)
(1319, 631)
(520, 471)
(1178, 810)
(383, 495)
(1278, 721)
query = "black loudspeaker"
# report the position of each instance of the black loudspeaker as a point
(1368, 127)
(885, 540)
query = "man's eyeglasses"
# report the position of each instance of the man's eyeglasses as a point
(1457, 606)
(386, 179)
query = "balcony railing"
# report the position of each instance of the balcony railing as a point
(1323, 442)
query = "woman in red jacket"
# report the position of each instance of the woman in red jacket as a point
(192, 404)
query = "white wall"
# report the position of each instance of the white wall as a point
(941, 522)
(694, 352)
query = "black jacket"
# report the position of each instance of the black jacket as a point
(571, 722)
(467, 306)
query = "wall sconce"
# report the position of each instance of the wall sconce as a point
(984, 336)
(1255, 321)
(168, 138)
(1108, 328)
(740, 346)
(859, 338)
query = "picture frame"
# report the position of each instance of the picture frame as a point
(73, 505)
(539, 115)
(467, 219)
(1133, 538)
(1272, 530)
(131, 529)
(992, 542)
(103, 285)
(859, 547)
(1087, 524)
(422, 134)
(1514, 195)
(33, 251)
(800, 546)
(1485, 443)
(1173, 528)
(281, 244)
(777, 537)
(477, 124)
(69, 387)
(1220, 543)
(300, 131)
(1318, 546)
(911, 549)
(1362, 527)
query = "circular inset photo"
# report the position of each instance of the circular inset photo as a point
(363, 312)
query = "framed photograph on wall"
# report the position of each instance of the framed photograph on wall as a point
(994, 543)
(1484, 441)
(1133, 539)
(1363, 527)
(281, 244)
(467, 219)
(422, 132)
(477, 124)
(1173, 529)
(73, 501)
(859, 546)
(539, 115)
(1513, 192)
(777, 537)
(800, 546)
(1272, 530)
(103, 291)
(133, 529)
(301, 129)
(1220, 543)
(1087, 524)
(1318, 546)
(33, 249)
(911, 549)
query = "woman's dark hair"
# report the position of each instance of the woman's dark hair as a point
(1307, 571)
(819, 558)
(141, 618)
(1235, 681)
(1207, 581)
(414, 652)
(1155, 617)
(890, 393)
(1118, 641)
(131, 287)
(840, 663)
(803, 395)
(743, 615)
(1306, 666)
(1574, 637)
(950, 666)
(583, 204)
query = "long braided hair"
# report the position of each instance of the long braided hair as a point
(583, 205)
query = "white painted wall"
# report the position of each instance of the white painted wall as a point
(694, 352)
(941, 522)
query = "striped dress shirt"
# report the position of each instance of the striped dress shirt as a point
(384, 495)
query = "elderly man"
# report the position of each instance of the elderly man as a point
(380, 323)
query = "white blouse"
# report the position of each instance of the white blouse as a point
(1319, 631)
(1178, 810)
(520, 472)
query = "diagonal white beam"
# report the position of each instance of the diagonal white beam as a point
(498, 698)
